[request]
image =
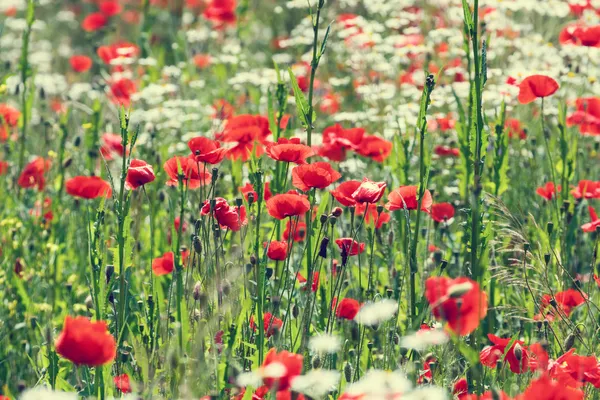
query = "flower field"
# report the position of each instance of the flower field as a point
(303, 200)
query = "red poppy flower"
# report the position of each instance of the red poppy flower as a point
(289, 150)
(122, 383)
(84, 342)
(220, 11)
(580, 35)
(315, 281)
(515, 129)
(80, 63)
(138, 174)
(289, 204)
(586, 116)
(548, 190)
(33, 175)
(517, 355)
(206, 150)
(229, 217)
(594, 223)
(373, 216)
(587, 189)
(347, 308)
(445, 151)
(117, 50)
(112, 144)
(536, 86)
(110, 8)
(566, 301)
(189, 170)
(248, 188)
(574, 370)
(458, 301)
(248, 132)
(277, 250)
(294, 230)
(94, 21)
(374, 147)
(317, 175)
(546, 388)
(442, 212)
(460, 388)
(336, 140)
(121, 91)
(350, 246)
(88, 187)
(9, 118)
(203, 61)
(292, 367)
(164, 265)
(330, 103)
(369, 191)
(271, 324)
(343, 193)
(405, 197)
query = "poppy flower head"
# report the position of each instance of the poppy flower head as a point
(271, 324)
(286, 205)
(84, 342)
(350, 246)
(34, 174)
(88, 187)
(369, 191)
(139, 174)
(94, 22)
(164, 264)
(294, 230)
(445, 151)
(228, 217)
(9, 118)
(548, 191)
(442, 212)
(289, 150)
(406, 197)
(343, 193)
(122, 383)
(206, 150)
(248, 189)
(121, 91)
(190, 173)
(536, 86)
(110, 8)
(347, 308)
(517, 356)
(248, 132)
(80, 63)
(593, 225)
(317, 175)
(291, 365)
(458, 301)
(276, 250)
(587, 190)
(374, 147)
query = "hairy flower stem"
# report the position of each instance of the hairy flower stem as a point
(179, 263)
(260, 303)
(313, 71)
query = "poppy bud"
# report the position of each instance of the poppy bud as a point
(323, 218)
(21, 386)
(390, 238)
(518, 351)
(196, 291)
(215, 174)
(443, 265)
(389, 292)
(348, 372)
(332, 220)
(161, 196)
(295, 311)
(547, 258)
(323, 247)
(197, 244)
(238, 201)
(569, 342)
(110, 269)
(276, 301)
(253, 259)
(370, 345)
(268, 273)
(316, 362)
(250, 198)
(550, 228)
(437, 257)
(89, 302)
(42, 94)
(430, 82)
(354, 333)
(526, 247)
(140, 304)
(226, 287)
(67, 163)
(337, 212)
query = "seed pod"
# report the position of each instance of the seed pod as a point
(569, 342)
(518, 351)
(197, 290)
(89, 302)
(268, 273)
(215, 174)
(250, 198)
(323, 219)
(295, 311)
(316, 362)
(110, 269)
(197, 244)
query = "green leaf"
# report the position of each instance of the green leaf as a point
(469, 353)
(467, 15)
(302, 106)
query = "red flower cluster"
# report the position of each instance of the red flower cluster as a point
(190, 172)
(34, 174)
(228, 217)
(580, 35)
(248, 134)
(271, 324)
(586, 115)
(337, 140)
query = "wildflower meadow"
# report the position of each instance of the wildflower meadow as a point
(300, 199)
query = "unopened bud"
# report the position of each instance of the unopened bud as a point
(348, 372)
(197, 244)
(197, 290)
(323, 218)
(337, 212)
(323, 247)
(250, 198)
(89, 302)
(110, 269)
(518, 351)
(569, 342)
